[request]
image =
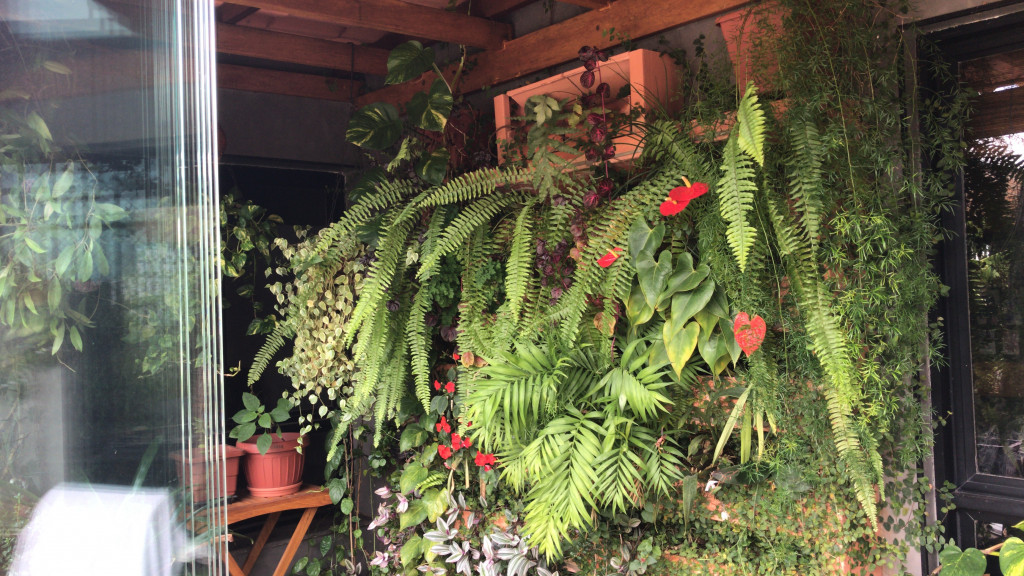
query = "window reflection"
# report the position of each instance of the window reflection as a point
(995, 243)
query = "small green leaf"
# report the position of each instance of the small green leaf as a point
(408, 61)
(282, 411)
(54, 293)
(686, 305)
(326, 544)
(251, 402)
(336, 488)
(263, 442)
(244, 415)
(374, 127)
(265, 421)
(34, 246)
(64, 260)
(313, 568)
(637, 309)
(243, 432)
(300, 564)
(58, 337)
(346, 506)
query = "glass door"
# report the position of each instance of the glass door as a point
(111, 415)
(981, 392)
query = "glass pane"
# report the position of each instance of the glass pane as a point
(110, 406)
(995, 246)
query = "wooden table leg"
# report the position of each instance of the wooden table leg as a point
(261, 541)
(296, 540)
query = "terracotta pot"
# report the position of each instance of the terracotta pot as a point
(279, 471)
(198, 480)
(753, 58)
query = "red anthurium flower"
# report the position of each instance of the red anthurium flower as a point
(443, 426)
(444, 451)
(749, 332)
(456, 442)
(610, 257)
(680, 197)
(449, 387)
(456, 356)
(437, 385)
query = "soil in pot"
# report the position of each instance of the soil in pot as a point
(279, 471)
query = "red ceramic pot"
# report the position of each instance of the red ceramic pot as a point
(279, 471)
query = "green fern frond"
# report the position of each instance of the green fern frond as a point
(735, 199)
(418, 339)
(475, 185)
(388, 195)
(274, 342)
(805, 175)
(519, 267)
(750, 125)
(472, 217)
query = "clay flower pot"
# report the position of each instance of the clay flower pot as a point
(198, 466)
(743, 31)
(279, 471)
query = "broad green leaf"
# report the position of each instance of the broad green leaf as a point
(263, 442)
(956, 562)
(412, 476)
(435, 502)
(265, 421)
(63, 182)
(84, 271)
(34, 246)
(250, 401)
(346, 506)
(243, 432)
(38, 126)
(313, 568)
(680, 342)
(1011, 557)
(430, 111)
(375, 127)
(434, 166)
(709, 348)
(281, 412)
(653, 275)
(719, 304)
(64, 260)
(729, 339)
(408, 61)
(412, 550)
(300, 565)
(637, 309)
(414, 516)
(412, 437)
(336, 488)
(643, 239)
(76, 337)
(686, 305)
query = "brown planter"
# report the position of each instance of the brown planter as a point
(279, 471)
(198, 480)
(651, 78)
(752, 54)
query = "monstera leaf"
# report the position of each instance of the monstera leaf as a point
(408, 61)
(374, 127)
(430, 111)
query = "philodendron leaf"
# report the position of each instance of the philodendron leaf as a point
(686, 305)
(434, 166)
(642, 238)
(408, 61)
(680, 341)
(730, 343)
(653, 275)
(430, 111)
(956, 562)
(637, 309)
(375, 127)
(1011, 557)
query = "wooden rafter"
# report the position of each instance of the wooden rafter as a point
(394, 16)
(491, 8)
(257, 43)
(560, 42)
(592, 4)
(286, 83)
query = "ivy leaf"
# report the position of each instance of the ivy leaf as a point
(1011, 557)
(412, 437)
(956, 562)
(430, 111)
(374, 127)
(408, 61)
(434, 166)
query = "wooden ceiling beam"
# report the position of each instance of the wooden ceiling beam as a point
(560, 43)
(268, 45)
(492, 8)
(397, 17)
(250, 79)
(592, 4)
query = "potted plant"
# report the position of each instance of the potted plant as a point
(274, 461)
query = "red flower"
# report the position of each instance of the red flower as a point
(443, 426)
(456, 442)
(455, 356)
(749, 332)
(450, 387)
(610, 257)
(485, 460)
(680, 197)
(444, 451)
(437, 385)
(466, 442)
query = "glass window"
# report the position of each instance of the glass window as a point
(110, 404)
